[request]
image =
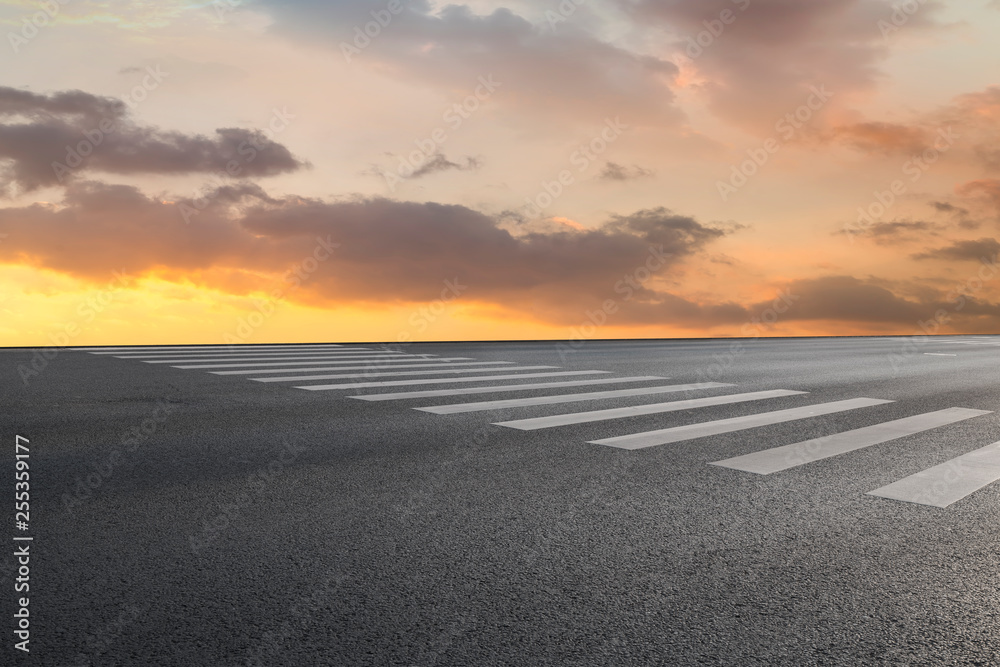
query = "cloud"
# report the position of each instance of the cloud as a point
(390, 251)
(762, 63)
(972, 118)
(887, 138)
(387, 252)
(438, 163)
(987, 187)
(615, 172)
(847, 299)
(566, 72)
(946, 207)
(977, 250)
(896, 231)
(50, 139)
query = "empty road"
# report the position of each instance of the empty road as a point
(742, 502)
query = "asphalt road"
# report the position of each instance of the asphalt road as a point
(182, 517)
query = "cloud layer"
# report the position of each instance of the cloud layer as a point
(50, 139)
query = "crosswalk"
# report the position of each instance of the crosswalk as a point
(355, 368)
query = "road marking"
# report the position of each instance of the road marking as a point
(939, 354)
(240, 355)
(456, 408)
(406, 383)
(437, 393)
(967, 342)
(387, 364)
(692, 431)
(368, 361)
(168, 348)
(311, 361)
(536, 423)
(436, 371)
(313, 357)
(949, 482)
(790, 456)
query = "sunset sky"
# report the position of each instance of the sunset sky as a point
(265, 171)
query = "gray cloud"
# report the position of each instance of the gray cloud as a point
(763, 62)
(972, 250)
(568, 72)
(391, 252)
(49, 139)
(897, 231)
(615, 172)
(438, 163)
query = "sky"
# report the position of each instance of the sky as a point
(405, 170)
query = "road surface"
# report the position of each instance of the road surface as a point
(754, 502)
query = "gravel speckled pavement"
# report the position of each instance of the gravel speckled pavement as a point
(184, 517)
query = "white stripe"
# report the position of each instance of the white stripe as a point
(692, 431)
(143, 348)
(456, 408)
(618, 413)
(966, 342)
(271, 357)
(331, 366)
(406, 383)
(264, 356)
(437, 393)
(939, 354)
(436, 371)
(238, 355)
(949, 482)
(319, 360)
(789, 456)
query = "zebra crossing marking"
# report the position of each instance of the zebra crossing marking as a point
(329, 367)
(437, 393)
(939, 486)
(946, 484)
(536, 423)
(248, 355)
(170, 348)
(303, 362)
(436, 371)
(407, 383)
(692, 431)
(456, 408)
(776, 459)
(309, 357)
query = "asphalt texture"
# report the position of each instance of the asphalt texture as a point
(186, 518)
